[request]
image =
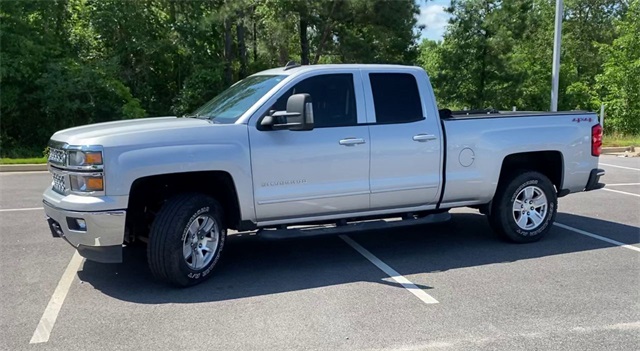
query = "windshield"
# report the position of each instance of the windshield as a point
(233, 102)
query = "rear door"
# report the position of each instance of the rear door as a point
(405, 140)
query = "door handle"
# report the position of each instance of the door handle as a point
(424, 137)
(351, 141)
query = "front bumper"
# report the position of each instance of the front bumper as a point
(594, 180)
(102, 239)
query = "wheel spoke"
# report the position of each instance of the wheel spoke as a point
(207, 225)
(201, 242)
(204, 243)
(193, 227)
(536, 217)
(517, 206)
(186, 251)
(211, 243)
(522, 221)
(528, 193)
(202, 224)
(539, 201)
(194, 259)
(199, 259)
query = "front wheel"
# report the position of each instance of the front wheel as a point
(524, 207)
(186, 239)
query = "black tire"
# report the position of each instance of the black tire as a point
(504, 217)
(168, 233)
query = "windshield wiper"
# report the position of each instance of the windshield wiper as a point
(193, 116)
(211, 118)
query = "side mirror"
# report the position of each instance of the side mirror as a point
(298, 116)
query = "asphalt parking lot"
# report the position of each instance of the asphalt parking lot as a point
(578, 289)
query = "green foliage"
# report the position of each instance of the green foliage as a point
(46, 83)
(499, 54)
(375, 31)
(198, 88)
(620, 140)
(619, 83)
(71, 62)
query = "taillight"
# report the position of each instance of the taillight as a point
(596, 140)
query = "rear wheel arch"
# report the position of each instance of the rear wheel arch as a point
(549, 163)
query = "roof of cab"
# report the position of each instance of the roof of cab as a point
(304, 68)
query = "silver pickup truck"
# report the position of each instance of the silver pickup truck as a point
(325, 148)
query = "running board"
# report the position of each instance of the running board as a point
(311, 231)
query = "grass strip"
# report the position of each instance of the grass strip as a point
(22, 161)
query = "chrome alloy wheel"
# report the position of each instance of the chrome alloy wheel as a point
(530, 208)
(200, 241)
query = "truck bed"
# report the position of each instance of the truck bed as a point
(480, 114)
(478, 143)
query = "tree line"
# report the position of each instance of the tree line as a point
(499, 54)
(71, 62)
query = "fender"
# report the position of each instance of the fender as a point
(229, 153)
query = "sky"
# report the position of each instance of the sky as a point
(432, 15)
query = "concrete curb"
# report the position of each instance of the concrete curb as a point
(23, 168)
(611, 150)
(629, 151)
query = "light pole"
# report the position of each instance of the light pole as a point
(555, 72)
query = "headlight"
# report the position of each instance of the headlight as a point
(85, 158)
(86, 183)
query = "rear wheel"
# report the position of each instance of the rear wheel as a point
(524, 207)
(186, 239)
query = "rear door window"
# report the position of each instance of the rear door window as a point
(396, 98)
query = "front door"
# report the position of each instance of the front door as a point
(318, 172)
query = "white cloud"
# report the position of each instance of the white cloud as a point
(435, 18)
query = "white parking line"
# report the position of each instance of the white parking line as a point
(43, 330)
(419, 293)
(631, 168)
(19, 173)
(20, 209)
(623, 184)
(595, 236)
(621, 192)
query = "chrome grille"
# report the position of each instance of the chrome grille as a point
(59, 184)
(57, 156)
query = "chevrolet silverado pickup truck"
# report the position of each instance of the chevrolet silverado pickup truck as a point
(328, 148)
